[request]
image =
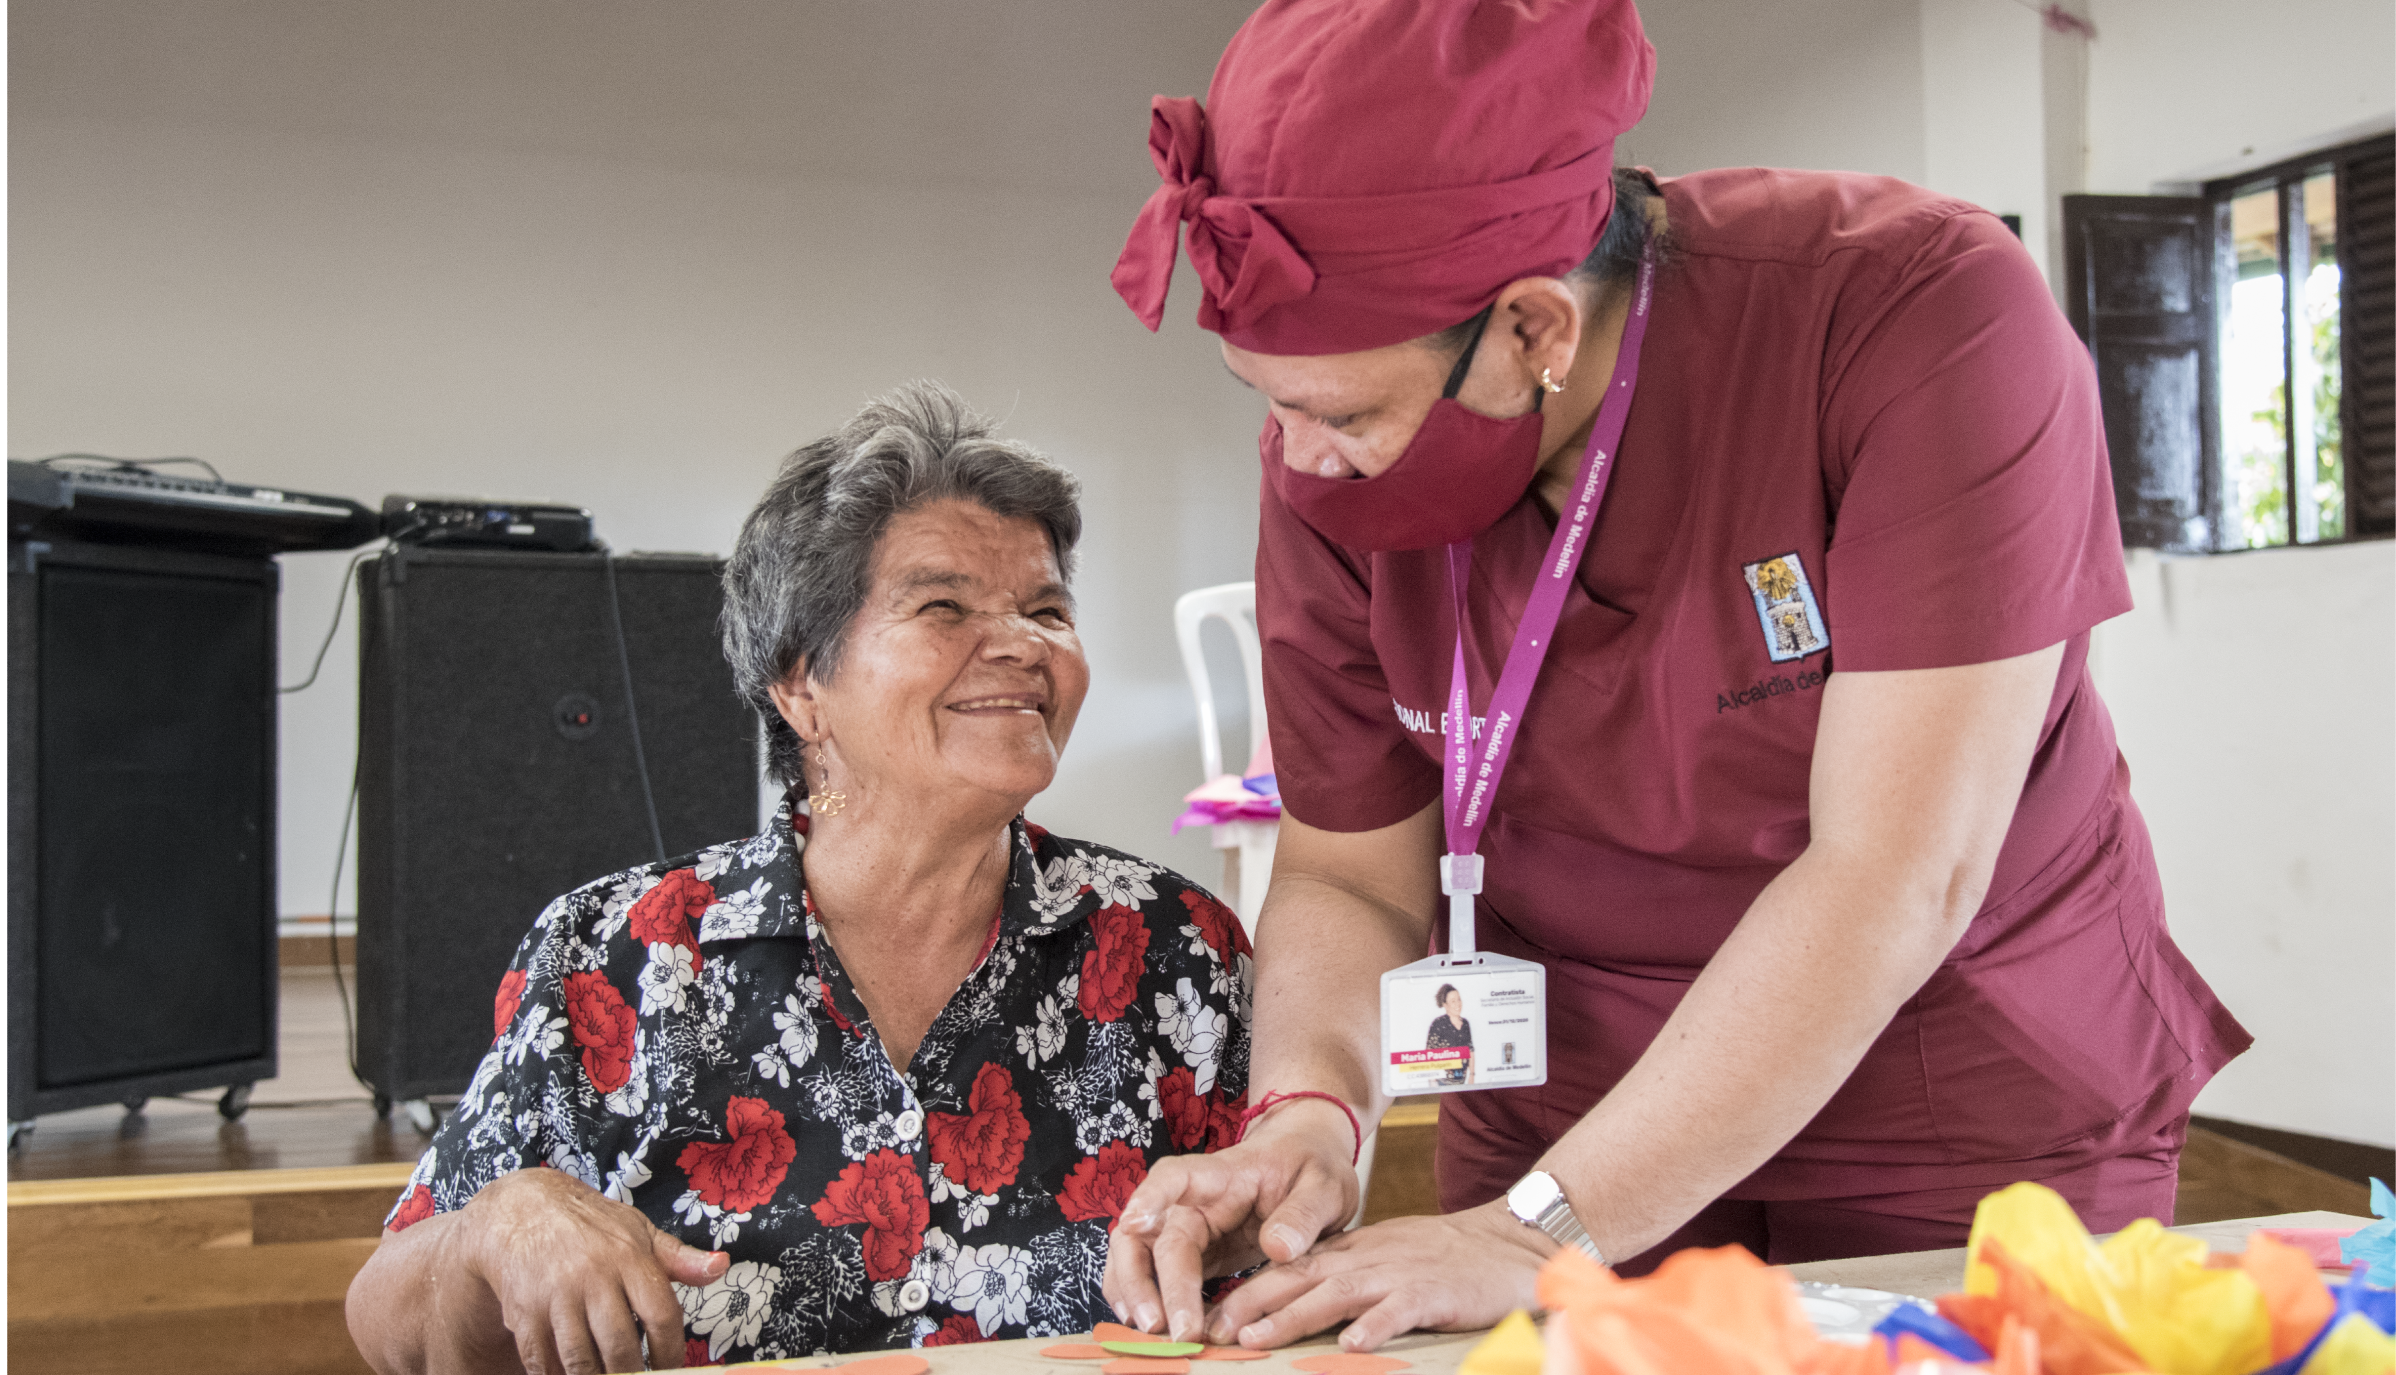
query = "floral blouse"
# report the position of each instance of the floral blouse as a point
(683, 1037)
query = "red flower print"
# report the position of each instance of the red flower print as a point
(981, 1150)
(1189, 1115)
(1216, 924)
(883, 1192)
(694, 1352)
(1101, 1183)
(666, 912)
(505, 1002)
(960, 1328)
(602, 1027)
(415, 1208)
(1223, 1121)
(739, 1174)
(1111, 971)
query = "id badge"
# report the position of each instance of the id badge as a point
(1454, 1023)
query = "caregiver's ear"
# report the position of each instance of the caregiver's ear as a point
(1541, 319)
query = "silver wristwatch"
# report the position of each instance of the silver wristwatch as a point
(1537, 1200)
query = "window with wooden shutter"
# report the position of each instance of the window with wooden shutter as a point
(2141, 272)
(2245, 349)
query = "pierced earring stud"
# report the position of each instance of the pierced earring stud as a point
(1548, 382)
(827, 802)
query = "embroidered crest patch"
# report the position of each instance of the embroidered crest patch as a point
(1785, 606)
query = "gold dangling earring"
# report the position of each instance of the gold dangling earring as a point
(828, 802)
(1548, 382)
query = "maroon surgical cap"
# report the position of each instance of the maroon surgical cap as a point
(1370, 171)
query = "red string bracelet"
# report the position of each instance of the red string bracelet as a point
(1272, 1100)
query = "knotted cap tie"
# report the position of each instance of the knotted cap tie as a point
(1367, 172)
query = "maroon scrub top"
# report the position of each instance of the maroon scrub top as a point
(1863, 438)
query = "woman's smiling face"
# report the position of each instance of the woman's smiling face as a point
(962, 669)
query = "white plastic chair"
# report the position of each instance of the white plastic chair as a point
(1248, 845)
(1248, 865)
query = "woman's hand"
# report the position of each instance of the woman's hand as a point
(1269, 1197)
(1453, 1273)
(539, 1273)
(572, 1269)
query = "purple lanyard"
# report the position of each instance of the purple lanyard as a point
(1472, 785)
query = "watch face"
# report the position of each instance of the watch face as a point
(1534, 1194)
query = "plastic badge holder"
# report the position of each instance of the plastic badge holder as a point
(1495, 1039)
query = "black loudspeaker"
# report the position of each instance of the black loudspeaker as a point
(141, 824)
(498, 769)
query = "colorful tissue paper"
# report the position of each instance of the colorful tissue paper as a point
(2375, 1245)
(2321, 1245)
(1225, 798)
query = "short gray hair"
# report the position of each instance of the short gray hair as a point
(806, 552)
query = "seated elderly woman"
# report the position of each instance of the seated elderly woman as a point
(884, 1074)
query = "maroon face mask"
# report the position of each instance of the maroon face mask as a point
(1460, 473)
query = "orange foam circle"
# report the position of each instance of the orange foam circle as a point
(1147, 1365)
(1075, 1351)
(1230, 1353)
(1350, 1363)
(897, 1363)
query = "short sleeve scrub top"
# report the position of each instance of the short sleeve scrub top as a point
(1863, 438)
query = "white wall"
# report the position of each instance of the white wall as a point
(2186, 90)
(2251, 692)
(1830, 84)
(610, 254)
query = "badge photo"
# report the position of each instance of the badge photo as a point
(1785, 605)
(1454, 1024)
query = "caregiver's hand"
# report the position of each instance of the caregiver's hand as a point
(539, 1272)
(1452, 1273)
(1269, 1197)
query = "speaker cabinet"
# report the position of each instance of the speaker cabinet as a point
(141, 823)
(498, 770)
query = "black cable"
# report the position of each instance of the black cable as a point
(332, 919)
(632, 715)
(340, 600)
(134, 462)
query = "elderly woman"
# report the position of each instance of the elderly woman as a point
(883, 1075)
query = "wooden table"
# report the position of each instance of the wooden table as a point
(1923, 1273)
(243, 1273)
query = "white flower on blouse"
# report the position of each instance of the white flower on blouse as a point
(1118, 1123)
(1155, 1071)
(1115, 880)
(972, 1209)
(536, 1033)
(1056, 886)
(632, 1099)
(735, 915)
(771, 1065)
(797, 1025)
(630, 1173)
(732, 1310)
(713, 861)
(666, 979)
(1045, 1037)
(861, 1139)
(1195, 1030)
(994, 1283)
(627, 891)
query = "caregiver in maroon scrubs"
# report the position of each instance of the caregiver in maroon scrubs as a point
(1815, 821)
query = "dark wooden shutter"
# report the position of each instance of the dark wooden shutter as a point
(2140, 276)
(2367, 330)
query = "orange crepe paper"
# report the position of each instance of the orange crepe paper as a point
(2017, 1349)
(1147, 1365)
(1350, 1363)
(899, 1363)
(1230, 1353)
(2293, 1294)
(2070, 1342)
(1075, 1351)
(1835, 1358)
(1719, 1311)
